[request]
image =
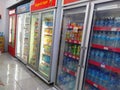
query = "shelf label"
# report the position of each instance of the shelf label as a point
(102, 65)
(95, 85)
(70, 55)
(106, 48)
(68, 70)
(114, 29)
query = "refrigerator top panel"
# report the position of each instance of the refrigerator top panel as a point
(107, 5)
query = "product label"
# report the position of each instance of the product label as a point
(12, 12)
(102, 65)
(114, 29)
(106, 48)
(95, 85)
(23, 8)
(42, 4)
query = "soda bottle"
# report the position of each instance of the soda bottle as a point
(101, 56)
(97, 55)
(74, 49)
(78, 51)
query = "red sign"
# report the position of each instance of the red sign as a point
(69, 1)
(42, 4)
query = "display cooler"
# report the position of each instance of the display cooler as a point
(23, 32)
(72, 48)
(12, 32)
(42, 39)
(103, 59)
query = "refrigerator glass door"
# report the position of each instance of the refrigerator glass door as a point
(34, 41)
(26, 36)
(47, 28)
(103, 71)
(19, 31)
(72, 38)
(12, 30)
(23, 36)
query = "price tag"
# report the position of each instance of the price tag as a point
(68, 70)
(74, 57)
(70, 55)
(114, 29)
(106, 48)
(75, 41)
(95, 85)
(102, 65)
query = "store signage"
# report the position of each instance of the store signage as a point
(42, 4)
(11, 12)
(23, 8)
(69, 1)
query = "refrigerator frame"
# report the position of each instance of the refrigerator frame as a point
(86, 5)
(21, 59)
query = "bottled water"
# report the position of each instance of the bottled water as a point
(117, 60)
(101, 58)
(92, 54)
(109, 58)
(97, 55)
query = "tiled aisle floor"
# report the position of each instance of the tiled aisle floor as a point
(15, 76)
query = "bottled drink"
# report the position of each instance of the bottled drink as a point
(109, 58)
(111, 21)
(92, 54)
(95, 37)
(103, 38)
(101, 22)
(117, 60)
(97, 55)
(101, 56)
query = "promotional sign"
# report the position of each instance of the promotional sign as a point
(42, 4)
(12, 12)
(23, 8)
(69, 1)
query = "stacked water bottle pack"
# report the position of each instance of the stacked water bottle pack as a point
(104, 78)
(109, 38)
(109, 21)
(105, 57)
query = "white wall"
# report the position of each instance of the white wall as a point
(10, 3)
(3, 22)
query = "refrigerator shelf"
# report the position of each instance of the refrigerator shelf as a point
(72, 27)
(46, 53)
(105, 28)
(49, 27)
(47, 34)
(71, 55)
(113, 49)
(95, 85)
(73, 41)
(69, 71)
(45, 63)
(111, 68)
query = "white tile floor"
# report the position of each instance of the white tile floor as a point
(15, 76)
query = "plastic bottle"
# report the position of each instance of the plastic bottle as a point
(92, 54)
(117, 60)
(97, 55)
(101, 56)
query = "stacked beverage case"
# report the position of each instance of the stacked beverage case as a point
(108, 36)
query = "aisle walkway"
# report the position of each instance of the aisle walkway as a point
(15, 76)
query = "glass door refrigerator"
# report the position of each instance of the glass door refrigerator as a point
(22, 38)
(72, 46)
(46, 44)
(103, 69)
(12, 31)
